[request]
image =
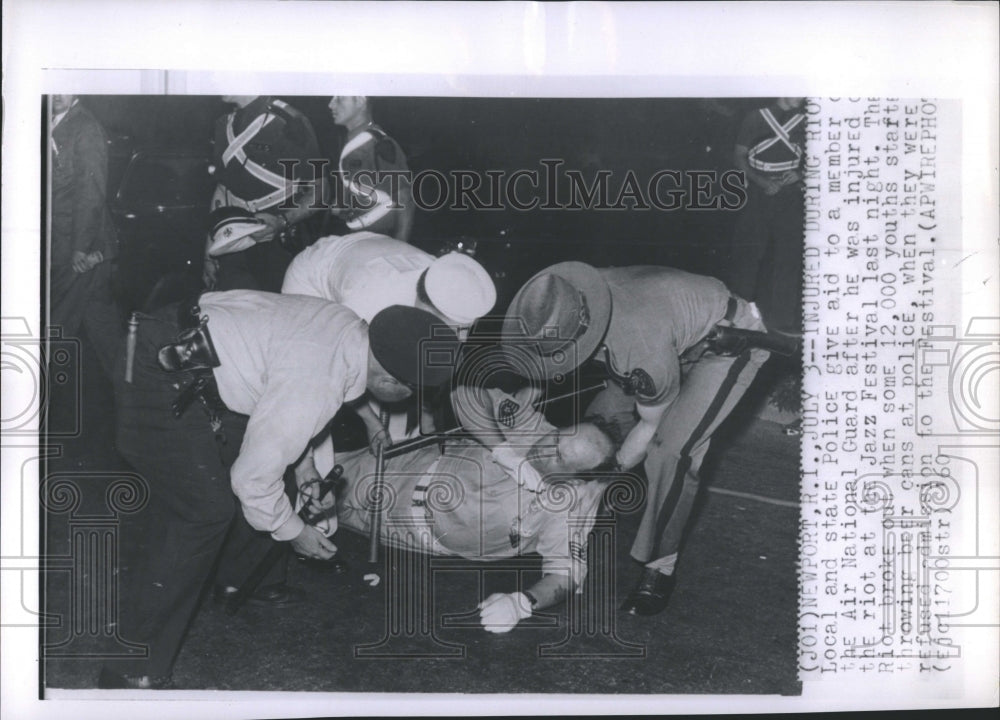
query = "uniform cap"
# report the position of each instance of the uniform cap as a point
(231, 228)
(559, 318)
(460, 288)
(414, 346)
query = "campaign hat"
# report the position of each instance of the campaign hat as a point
(557, 319)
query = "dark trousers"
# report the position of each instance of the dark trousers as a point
(192, 515)
(191, 505)
(767, 256)
(82, 305)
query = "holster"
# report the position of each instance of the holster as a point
(725, 340)
(193, 348)
(193, 353)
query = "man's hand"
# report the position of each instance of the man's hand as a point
(771, 187)
(310, 543)
(81, 262)
(500, 612)
(209, 272)
(273, 224)
(378, 435)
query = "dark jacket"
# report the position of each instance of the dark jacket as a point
(80, 217)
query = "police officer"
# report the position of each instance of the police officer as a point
(375, 190)
(245, 392)
(368, 272)
(767, 244)
(262, 153)
(638, 322)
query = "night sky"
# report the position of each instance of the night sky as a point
(643, 136)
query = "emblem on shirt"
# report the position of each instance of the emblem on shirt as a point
(505, 412)
(638, 382)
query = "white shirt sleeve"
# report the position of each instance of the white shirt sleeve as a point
(296, 404)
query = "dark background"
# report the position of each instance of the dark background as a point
(445, 134)
(731, 624)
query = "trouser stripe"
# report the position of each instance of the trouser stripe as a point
(666, 512)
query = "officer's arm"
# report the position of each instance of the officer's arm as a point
(551, 589)
(633, 449)
(501, 612)
(741, 158)
(650, 411)
(289, 412)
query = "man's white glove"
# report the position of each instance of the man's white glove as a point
(500, 612)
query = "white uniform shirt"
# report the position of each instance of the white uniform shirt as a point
(364, 271)
(289, 363)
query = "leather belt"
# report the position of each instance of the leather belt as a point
(732, 305)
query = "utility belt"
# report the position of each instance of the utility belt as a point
(193, 353)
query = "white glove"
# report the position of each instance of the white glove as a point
(500, 612)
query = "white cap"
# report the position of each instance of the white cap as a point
(460, 288)
(231, 230)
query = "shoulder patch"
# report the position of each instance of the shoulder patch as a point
(638, 383)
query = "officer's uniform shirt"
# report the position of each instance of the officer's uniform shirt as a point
(289, 363)
(774, 139)
(470, 502)
(368, 194)
(364, 271)
(254, 175)
(658, 313)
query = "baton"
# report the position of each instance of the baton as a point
(235, 601)
(372, 577)
(425, 440)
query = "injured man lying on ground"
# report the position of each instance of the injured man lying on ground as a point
(521, 486)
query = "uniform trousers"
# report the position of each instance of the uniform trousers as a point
(710, 389)
(191, 510)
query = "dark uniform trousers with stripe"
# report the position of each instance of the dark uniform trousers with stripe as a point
(179, 535)
(710, 389)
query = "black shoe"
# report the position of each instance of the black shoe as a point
(110, 680)
(278, 595)
(651, 593)
(335, 565)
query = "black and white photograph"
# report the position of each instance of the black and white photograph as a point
(524, 318)
(350, 385)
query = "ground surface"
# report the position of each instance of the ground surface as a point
(730, 627)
